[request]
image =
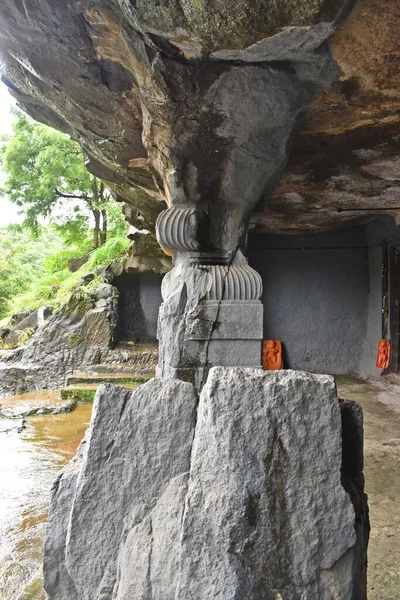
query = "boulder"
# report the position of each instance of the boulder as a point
(31, 321)
(86, 279)
(105, 291)
(237, 495)
(138, 446)
(18, 336)
(18, 317)
(4, 331)
(74, 264)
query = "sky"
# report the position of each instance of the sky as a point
(8, 211)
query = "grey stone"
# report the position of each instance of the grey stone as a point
(225, 353)
(242, 501)
(76, 336)
(195, 333)
(353, 483)
(105, 291)
(228, 320)
(16, 336)
(106, 273)
(74, 264)
(102, 303)
(266, 515)
(23, 408)
(4, 331)
(56, 576)
(31, 321)
(16, 378)
(153, 545)
(87, 278)
(138, 443)
(18, 317)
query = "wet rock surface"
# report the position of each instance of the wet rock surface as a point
(42, 403)
(238, 494)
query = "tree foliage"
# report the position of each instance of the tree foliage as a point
(45, 173)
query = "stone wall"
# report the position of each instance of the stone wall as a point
(323, 297)
(380, 230)
(315, 297)
(138, 304)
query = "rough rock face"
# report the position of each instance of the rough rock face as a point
(179, 91)
(235, 495)
(30, 323)
(137, 451)
(172, 90)
(353, 483)
(81, 333)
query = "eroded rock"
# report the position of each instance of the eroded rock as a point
(23, 325)
(81, 333)
(144, 88)
(137, 444)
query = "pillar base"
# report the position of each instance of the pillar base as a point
(221, 333)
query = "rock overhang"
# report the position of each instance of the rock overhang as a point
(119, 77)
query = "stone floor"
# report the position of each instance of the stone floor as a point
(380, 400)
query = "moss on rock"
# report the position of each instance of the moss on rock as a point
(81, 395)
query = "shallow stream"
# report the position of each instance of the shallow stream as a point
(29, 463)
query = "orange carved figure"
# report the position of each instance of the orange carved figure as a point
(383, 358)
(272, 355)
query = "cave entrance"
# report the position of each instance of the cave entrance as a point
(395, 308)
(138, 304)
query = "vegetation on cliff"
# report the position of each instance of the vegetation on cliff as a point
(23, 261)
(34, 271)
(68, 214)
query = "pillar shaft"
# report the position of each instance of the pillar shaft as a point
(212, 314)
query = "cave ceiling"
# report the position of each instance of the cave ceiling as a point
(119, 75)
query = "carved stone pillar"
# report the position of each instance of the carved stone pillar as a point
(212, 314)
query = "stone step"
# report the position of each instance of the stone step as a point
(130, 377)
(86, 392)
(117, 368)
(41, 402)
(133, 347)
(137, 354)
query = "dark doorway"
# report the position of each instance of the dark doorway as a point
(138, 304)
(395, 308)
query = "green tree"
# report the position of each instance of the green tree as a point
(43, 167)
